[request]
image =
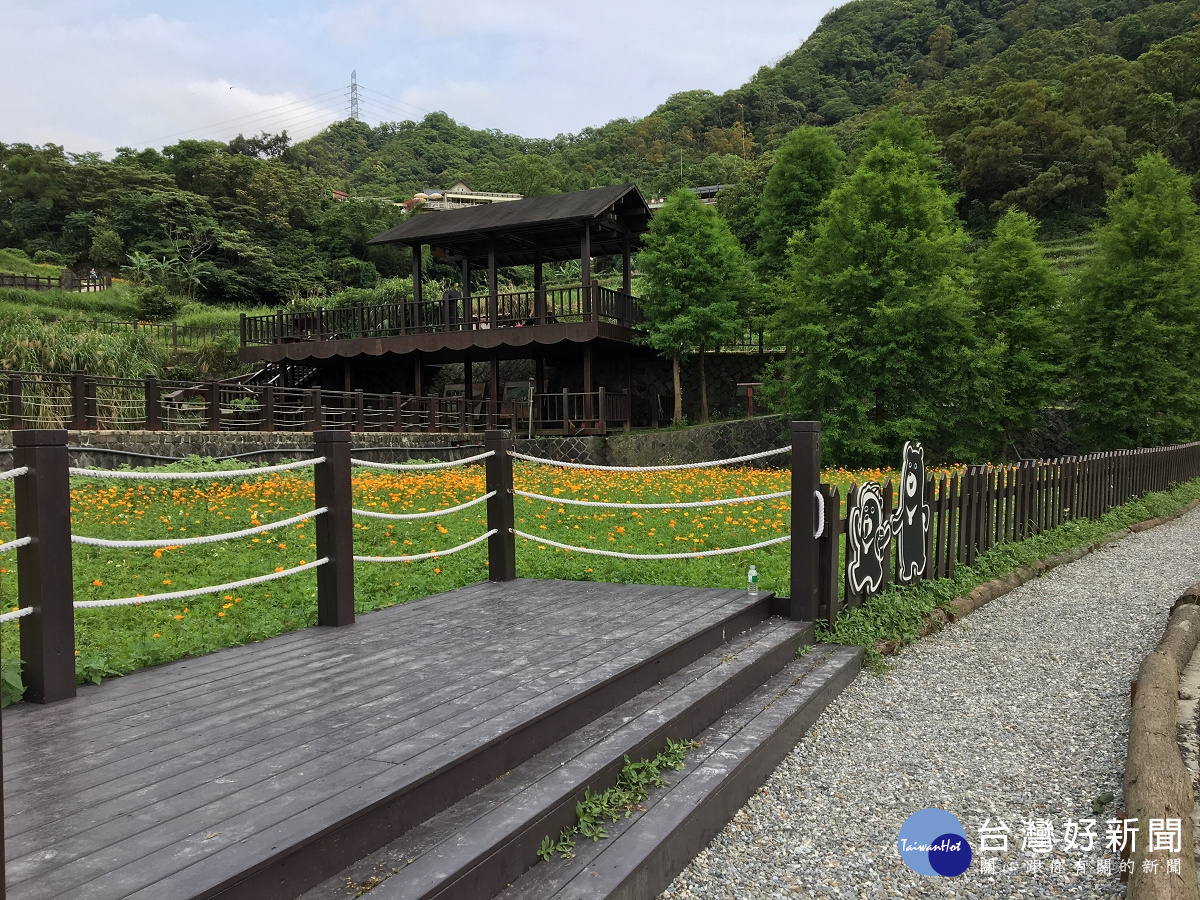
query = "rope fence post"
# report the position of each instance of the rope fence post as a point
(502, 546)
(806, 477)
(44, 575)
(335, 529)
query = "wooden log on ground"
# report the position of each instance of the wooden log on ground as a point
(1157, 784)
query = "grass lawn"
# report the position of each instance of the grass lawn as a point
(17, 262)
(116, 640)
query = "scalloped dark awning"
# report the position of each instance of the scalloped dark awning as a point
(520, 229)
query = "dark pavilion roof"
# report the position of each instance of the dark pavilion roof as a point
(519, 227)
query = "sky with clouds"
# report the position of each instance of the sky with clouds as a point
(93, 75)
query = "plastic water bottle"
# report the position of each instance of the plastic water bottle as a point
(752, 582)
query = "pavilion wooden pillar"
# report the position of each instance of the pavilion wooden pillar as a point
(588, 410)
(539, 289)
(416, 251)
(494, 389)
(418, 372)
(626, 267)
(468, 390)
(585, 270)
(493, 296)
(540, 374)
(628, 382)
(466, 292)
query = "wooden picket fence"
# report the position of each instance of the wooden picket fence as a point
(973, 511)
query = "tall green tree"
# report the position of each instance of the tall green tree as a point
(806, 167)
(1019, 293)
(880, 327)
(1138, 316)
(696, 281)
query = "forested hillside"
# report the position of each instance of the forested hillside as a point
(1038, 106)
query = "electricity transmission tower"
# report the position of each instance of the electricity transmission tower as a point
(354, 95)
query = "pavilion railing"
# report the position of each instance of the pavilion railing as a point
(544, 306)
(82, 402)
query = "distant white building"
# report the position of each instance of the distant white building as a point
(458, 196)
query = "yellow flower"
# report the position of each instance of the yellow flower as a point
(97, 582)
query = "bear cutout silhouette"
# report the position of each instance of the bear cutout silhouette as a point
(910, 522)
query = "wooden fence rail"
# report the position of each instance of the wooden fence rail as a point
(67, 281)
(972, 511)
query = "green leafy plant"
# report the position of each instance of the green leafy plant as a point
(154, 302)
(632, 787)
(12, 687)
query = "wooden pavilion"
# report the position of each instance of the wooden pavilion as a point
(387, 348)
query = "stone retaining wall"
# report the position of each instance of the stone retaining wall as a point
(108, 449)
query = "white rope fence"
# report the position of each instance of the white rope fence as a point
(671, 468)
(207, 539)
(13, 545)
(690, 505)
(693, 554)
(424, 515)
(407, 467)
(194, 476)
(419, 556)
(197, 592)
(14, 473)
(16, 614)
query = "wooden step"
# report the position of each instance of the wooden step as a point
(644, 853)
(484, 842)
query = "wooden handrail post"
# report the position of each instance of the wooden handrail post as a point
(335, 529)
(502, 546)
(153, 404)
(16, 417)
(602, 413)
(213, 406)
(91, 411)
(314, 410)
(242, 329)
(360, 413)
(397, 405)
(806, 480)
(78, 403)
(268, 408)
(44, 576)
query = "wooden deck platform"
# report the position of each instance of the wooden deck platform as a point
(260, 770)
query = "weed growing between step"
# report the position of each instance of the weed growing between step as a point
(619, 802)
(898, 613)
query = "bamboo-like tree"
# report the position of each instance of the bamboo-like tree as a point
(1019, 292)
(696, 281)
(806, 167)
(879, 325)
(1137, 316)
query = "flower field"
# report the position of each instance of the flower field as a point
(116, 640)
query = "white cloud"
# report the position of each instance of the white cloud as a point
(100, 74)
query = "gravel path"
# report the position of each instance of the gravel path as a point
(1019, 712)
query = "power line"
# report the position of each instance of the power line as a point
(383, 112)
(249, 116)
(394, 99)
